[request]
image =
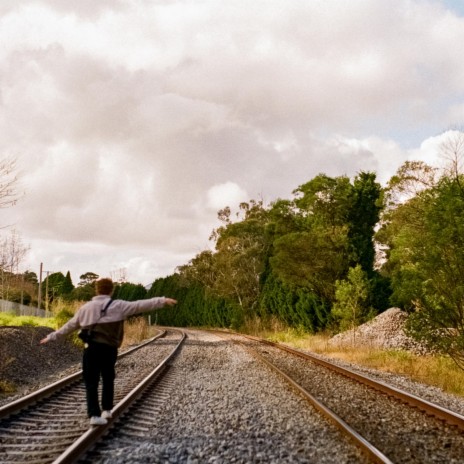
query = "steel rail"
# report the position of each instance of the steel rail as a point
(439, 412)
(373, 453)
(93, 434)
(34, 397)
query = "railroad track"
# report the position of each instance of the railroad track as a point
(389, 425)
(51, 426)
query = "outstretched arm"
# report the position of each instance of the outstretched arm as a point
(70, 326)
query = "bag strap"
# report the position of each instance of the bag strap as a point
(103, 311)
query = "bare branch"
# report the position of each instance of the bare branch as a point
(8, 181)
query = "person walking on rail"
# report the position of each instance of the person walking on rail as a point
(101, 321)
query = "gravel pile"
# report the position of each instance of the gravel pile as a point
(25, 365)
(384, 331)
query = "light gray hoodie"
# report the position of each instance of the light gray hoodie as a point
(89, 314)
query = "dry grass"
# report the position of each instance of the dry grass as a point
(136, 330)
(438, 371)
(61, 305)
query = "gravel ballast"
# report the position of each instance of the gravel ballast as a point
(225, 406)
(211, 412)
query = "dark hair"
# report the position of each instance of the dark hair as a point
(104, 286)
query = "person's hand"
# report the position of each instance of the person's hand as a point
(44, 340)
(170, 301)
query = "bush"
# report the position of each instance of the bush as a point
(63, 316)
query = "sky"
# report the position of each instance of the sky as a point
(132, 122)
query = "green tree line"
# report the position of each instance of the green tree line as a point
(337, 253)
(282, 261)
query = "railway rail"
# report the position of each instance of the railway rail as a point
(209, 394)
(388, 424)
(50, 425)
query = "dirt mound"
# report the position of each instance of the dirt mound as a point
(384, 331)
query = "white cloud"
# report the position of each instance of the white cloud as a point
(134, 121)
(227, 194)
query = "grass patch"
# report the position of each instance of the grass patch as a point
(8, 319)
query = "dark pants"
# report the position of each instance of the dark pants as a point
(98, 361)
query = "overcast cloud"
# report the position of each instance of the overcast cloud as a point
(134, 121)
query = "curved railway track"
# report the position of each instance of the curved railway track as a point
(388, 424)
(50, 425)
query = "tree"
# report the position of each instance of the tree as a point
(351, 295)
(233, 271)
(313, 259)
(68, 286)
(129, 292)
(435, 261)
(53, 283)
(325, 200)
(316, 253)
(31, 277)
(12, 252)
(425, 239)
(363, 215)
(88, 278)
(85, 289)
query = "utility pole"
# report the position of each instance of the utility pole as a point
(46, 292)
(39, 298)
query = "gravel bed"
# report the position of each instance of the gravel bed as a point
(26, 366)
(224, 406)
(404, 434)
(250, 426)
(433, 394)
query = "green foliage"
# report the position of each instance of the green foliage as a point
(83, 293)
(196, 306)
(425, 236)
(8, 319)
(63, 316)
(325, 200)
(54, 284)
(363, 215)
(314, 259)
(88, 278)
(351, 305)
(282, 262)
(26, 321)
(67, 286)
(129, 292)
(294, 306)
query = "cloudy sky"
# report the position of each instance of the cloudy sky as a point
(134, 121)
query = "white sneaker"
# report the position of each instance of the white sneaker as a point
(107, 415)
(95, 420)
